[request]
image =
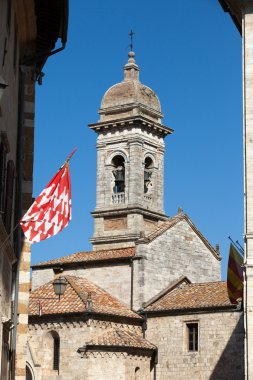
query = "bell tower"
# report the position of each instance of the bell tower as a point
(130, 163)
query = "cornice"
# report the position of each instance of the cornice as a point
(131, 122)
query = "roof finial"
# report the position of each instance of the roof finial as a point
(131, 34)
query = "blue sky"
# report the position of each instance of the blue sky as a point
(189, 53)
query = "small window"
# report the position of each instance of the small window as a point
(192, 336)
(56, 358)
(137, 373)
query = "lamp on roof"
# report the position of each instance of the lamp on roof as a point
(60, 286)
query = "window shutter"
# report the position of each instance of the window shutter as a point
(9, 195)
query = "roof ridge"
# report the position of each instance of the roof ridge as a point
(172, 221)
(122, 335)
(172, 285)
(159, 230)
(76, 288)
(193, 296)
(202, 237)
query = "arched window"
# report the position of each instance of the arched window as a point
(56, 351)
(118, 171)
(148, 170)
(28, 373)
(137, 374)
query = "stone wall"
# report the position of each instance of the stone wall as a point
(178, 251)
(93, 365)
(118, 215)
(41, 277)
(119, 366)
(221, 347)
(115, 279)
(17, 33)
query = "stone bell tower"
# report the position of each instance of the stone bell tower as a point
(130, 163)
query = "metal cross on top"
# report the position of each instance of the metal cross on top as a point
(131, 34)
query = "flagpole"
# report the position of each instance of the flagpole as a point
(69, 158)
(237, 246)
(237, 242)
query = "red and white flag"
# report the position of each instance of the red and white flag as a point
(51, 211)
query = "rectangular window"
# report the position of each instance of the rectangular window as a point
(56, 358)
(193, 336)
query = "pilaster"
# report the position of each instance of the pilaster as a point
(247, 32)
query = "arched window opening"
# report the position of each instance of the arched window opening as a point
(137, 373)
(56, 351)
(119, 174)
(148, 170)
(28, 373)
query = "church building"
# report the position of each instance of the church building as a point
(148, 302)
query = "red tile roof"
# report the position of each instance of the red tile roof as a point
(91, 256)
(121, 338)
(193, 296)
(75, 298)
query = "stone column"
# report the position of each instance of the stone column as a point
(247, 30)
(23, 303)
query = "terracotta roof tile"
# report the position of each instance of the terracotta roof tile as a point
(90, 256)
(121, 338)
(75, 298)
(193, 296)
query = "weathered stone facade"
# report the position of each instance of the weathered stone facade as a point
(74, 333)
(141, 257)
(17, 38)
(242, 15)
(130, 162)
(221, 347)
(179, 250)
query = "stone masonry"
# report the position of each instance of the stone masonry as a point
(220, 356)
(130, 162)
(177, 251)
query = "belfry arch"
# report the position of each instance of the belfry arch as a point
(129, 184)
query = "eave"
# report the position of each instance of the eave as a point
(86, 263)
(234, 8)
(200, 310)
